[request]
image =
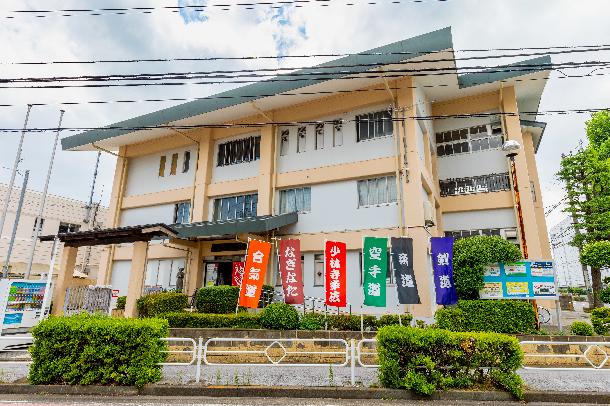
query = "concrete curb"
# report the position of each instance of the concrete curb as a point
(297, 392)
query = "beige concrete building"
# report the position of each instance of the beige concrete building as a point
(60, 215)
(389, 142)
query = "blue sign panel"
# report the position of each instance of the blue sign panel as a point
(525, 279)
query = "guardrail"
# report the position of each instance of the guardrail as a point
(595, 353)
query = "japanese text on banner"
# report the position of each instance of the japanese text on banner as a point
(375, 268)
(442, 263)
(290, 271)
(402, 262)
(335, 268)
(254, 273)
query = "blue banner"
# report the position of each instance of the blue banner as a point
(442, 263)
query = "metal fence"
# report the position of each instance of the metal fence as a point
(567, 355)
(477, 184)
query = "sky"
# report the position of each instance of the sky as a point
(289, 30)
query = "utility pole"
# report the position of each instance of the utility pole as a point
(15, 224)
(89, 219)
(11, 183)
(38, 221)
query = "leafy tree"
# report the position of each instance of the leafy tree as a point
(586, 175)
(471, 255)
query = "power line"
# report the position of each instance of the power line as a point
(313, 122)
(562, 49)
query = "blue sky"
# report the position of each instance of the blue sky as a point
(266, 31)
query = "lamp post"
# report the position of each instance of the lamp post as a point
(512, 148)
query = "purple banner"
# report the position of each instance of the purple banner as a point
(442, 263)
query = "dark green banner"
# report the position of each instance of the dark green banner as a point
(375, 269)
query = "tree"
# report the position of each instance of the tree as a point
(586, 175)
(471, 255)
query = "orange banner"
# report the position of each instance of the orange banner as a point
(254, 273)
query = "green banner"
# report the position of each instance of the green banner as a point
(375, 268)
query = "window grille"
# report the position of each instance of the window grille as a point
(475, 184)
(239, 151)
(374, 125)
(235, 207)
(466, 140)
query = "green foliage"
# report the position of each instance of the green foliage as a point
(425, 360)
(598, 129)
(312, 321)
(217, 299)
(120, 302)
(604, 295)
(596, 254)
(600, 318)
(581, 328)
(97, 350)
(280, 316)
(159, 303)
(347, 322)
(471, 255)
(392, 319)
(500, 316)
(240, 320)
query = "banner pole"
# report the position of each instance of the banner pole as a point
(243, 276)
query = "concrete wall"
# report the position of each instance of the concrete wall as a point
(162, 213)
(472, 220)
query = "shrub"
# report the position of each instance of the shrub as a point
(280, 316)
(350, 322)
(471, 255)
(120, 302)
(312, 321)
(600, 318)
(424, 360)
(392, 319)
(604, 295)
(581, 328)
(159, 303)
(217, 299)
(87, 350)
(200, 320)
(500, 316)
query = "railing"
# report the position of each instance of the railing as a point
(476, 184)
(14, 350)
(594, 355)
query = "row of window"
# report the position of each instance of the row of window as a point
(173, 168)
(472, 139)
(239, 151)
(235, 207)
(319, 131)
(475, 184)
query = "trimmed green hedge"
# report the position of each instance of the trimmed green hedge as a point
(223, 299)
(425, 360)
(499, 316)
(97, 350)
(600, 318)
(202, 320)
(280, 316)
(160, 303)
(581, 328)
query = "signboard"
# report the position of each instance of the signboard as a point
(527, 279)
(237, 273)
(290, 270)
(402, 262)
(254, 273)
(375, 269)
(335, 269)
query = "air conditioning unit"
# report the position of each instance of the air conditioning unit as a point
(428, 214)
(510, 234)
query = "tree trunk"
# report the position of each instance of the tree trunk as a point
(596, 282)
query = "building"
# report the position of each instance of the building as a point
(60, 215)
(389, 142)
(566, 256)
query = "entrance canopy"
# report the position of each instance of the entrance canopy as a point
(114, 235)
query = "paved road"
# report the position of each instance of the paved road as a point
(152, 401)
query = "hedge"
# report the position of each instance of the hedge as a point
(600, 318)
(500, 316)
(222, 299)
(280, 316)
(581, 328)
(201, 320)
(424, 360)
(160, 303)
(97, 350)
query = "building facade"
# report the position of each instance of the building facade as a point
(372, 144)
(60, 215)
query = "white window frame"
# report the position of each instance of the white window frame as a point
(284, 142)
(301, 139)
(469, 137)
(319, 136)
(316, 260)
(389, 179)
(337, 133)
(372, 124)
(283, 194)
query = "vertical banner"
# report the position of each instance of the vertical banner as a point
(402, 261)
(442, 263)
(254, 273)
(238, 273)
(335, 269)
(375, 269)
(290, 270)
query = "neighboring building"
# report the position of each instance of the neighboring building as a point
(353, 152)
(566, 256)
(60, 215)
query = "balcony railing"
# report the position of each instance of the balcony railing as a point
(477, 184)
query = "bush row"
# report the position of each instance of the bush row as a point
(424, 360)
(159, 303)
(600, 318)
(87, 350)
(500, 316)
(223, 299)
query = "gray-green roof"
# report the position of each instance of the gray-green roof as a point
(258, 224)
(506, 72)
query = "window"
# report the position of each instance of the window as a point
(319, 135)
(338, 133)
(533, 189)
(235, 207)
(472, 233)
(68, 228)
(239, 151)
(182, 213)
(476, 184)
(377, 191)
(374, 125)
(162, 162)
(302, 139)
(174, 166)
(472, 139)
(318, 270)
(40, 222)
(298, 199)
(284, 137)
(186, 163)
